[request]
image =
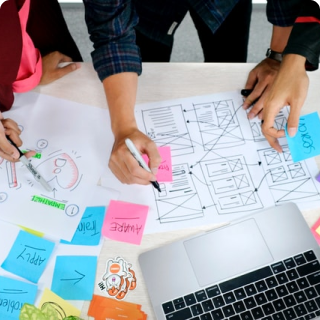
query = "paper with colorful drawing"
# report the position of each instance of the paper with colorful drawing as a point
(70, 140)
(222, 165)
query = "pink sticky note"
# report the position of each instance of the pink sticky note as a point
(125, 221)
(165, 169)
(316, 230)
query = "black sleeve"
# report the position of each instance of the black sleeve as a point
(305, 35)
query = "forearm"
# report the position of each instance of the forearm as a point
(279, 38)
(121, 92)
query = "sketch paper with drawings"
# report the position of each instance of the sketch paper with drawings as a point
(222, 165)
(69, 157)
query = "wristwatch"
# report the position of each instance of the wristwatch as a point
(274, 55)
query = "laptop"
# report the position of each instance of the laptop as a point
(263, 266)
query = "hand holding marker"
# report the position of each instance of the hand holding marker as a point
(136, 154)
(31, 168)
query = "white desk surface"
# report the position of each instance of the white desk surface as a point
(164, 81)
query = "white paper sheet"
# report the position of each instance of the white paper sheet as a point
(71, 138)
(223, 168)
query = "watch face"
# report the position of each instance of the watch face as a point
(268, 52)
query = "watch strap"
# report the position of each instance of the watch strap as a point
(274, 55)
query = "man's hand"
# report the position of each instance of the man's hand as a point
(51, 70)
(289, 88)
(10, 128)
(125, 167)
(260, 79)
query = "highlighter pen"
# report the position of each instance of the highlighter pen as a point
(31, 168)
(136, 154)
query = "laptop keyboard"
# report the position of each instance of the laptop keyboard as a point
(286, 290)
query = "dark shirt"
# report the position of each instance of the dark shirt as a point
(304, 16)
(111, 25)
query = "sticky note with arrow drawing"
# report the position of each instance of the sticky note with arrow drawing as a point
(73, 277)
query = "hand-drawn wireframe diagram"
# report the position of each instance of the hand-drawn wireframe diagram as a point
(70, 160)
(222, 164)
(287, 181)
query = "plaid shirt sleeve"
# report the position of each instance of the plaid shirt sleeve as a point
(305, 35)
(111, 27)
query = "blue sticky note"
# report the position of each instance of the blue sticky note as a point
(28, 256)
(13, 294)
(306, 143)
(88, 232)
(74, 276)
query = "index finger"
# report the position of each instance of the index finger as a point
(9, 152)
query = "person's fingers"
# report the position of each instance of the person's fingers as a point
(29, 154)
(63, 58)
(8, 151)
(271, 134)
(255, 95)
(14, 136)
(62, 71)
(293, 122)
(154, 157)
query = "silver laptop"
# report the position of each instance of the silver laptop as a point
(264, 266)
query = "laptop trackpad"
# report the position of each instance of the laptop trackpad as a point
(227, 252)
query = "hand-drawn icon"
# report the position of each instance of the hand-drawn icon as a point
(119, 278)
(317, 1)
(72, 210)
(3, 197)
(61, 168)
(1, 2)
(42, 143)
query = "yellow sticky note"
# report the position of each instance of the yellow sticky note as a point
(318, 230)
(63, 308)
(34, 232)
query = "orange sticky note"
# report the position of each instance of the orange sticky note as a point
(165, 168)
(125, 221)
(107, 308)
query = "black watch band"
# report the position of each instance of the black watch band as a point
(274, 55)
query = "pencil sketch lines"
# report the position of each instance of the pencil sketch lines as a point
(61, 168)
(218, 125)
(287, 181)
(225, 184)
(178, 199)
(167, 126)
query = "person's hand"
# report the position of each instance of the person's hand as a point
(260, 80)
(10, 128)
(51, 70)
(125, 167)
(289, 88)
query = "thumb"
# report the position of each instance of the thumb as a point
(62, 71)
(293, 122)
(154, 161)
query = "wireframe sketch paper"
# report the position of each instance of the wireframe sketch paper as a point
(70, 140)
(222, 166)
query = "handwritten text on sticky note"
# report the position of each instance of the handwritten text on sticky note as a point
(88, 232)
(164, 173)
(29, 256)
(13, 294)
(125, 221)
(306, 143)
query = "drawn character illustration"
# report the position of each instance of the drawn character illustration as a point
(61, 168)
(119, 278)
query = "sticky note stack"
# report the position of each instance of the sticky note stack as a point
(102, 308)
